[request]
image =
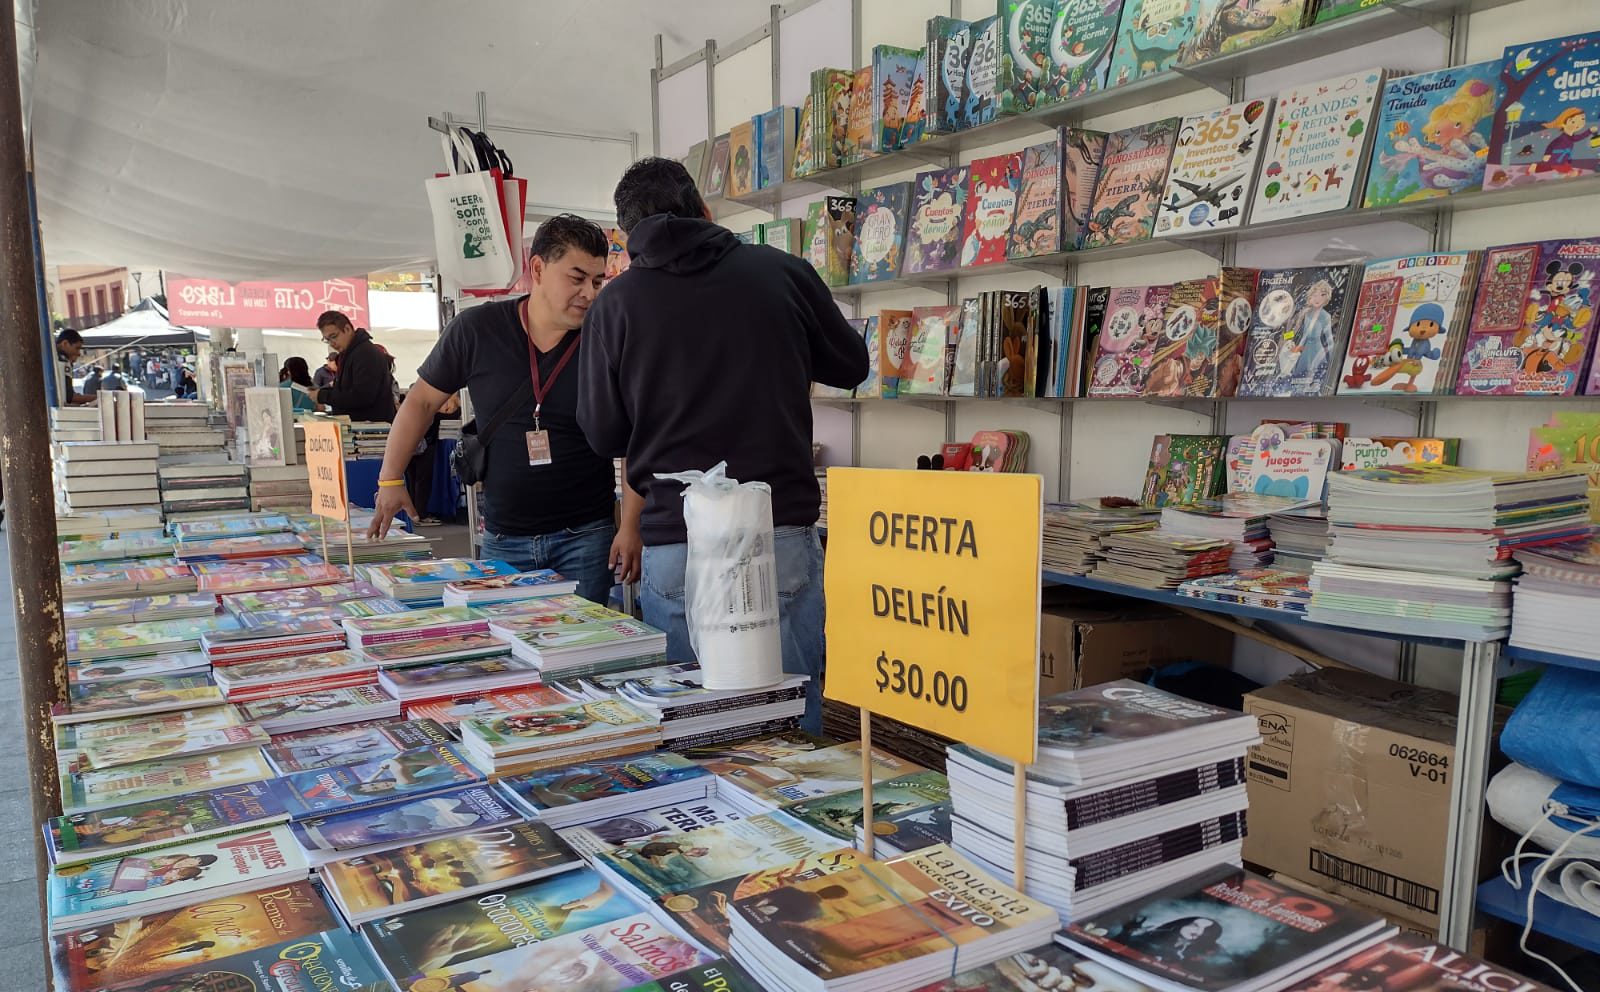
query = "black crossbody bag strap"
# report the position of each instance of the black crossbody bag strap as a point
(517, 399)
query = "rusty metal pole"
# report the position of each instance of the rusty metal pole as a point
(25, 461)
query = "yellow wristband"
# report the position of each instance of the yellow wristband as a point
(391, 482)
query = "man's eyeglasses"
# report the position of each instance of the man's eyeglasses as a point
(331, 338)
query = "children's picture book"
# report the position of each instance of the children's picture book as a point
(447, 868)
(1016, 331)
(142, 826)
(914, 126)
(1547, 122)
(1152, 33)
(454, 934)
(1184, 468)
(1298, 332)
(830, 96)
(829, 234)
(1236, 308)
(132, 750)
(981, 103)
(1036, 229)
(805, 137)
(993, 185)
(1411, 959)
(742, 155)
(894, 337)
(1314, 158)
(1410, 321)
(922, 371)
(1213, 162)
(894, 72)
(678, 862)
(1134, 325)
(1184, 363)
(716, 177)
(475, 807)
(670, 818)
(1025, 69)
(587, 782)
(964, 351)
(859, 135)
(1532, 320)
(1081, 155)
(1133, 174)
(1082, 38)
(1381, 452)
(775, 131)
(1226, 26)
(416, 772)
(948, 49)
(146, 947)
(933, 238)
(151, 694)
(1292, 468)
(1432, 134)
(880, 234)
(872, 386)
(620, 954)
(84, 791)
(702, 912)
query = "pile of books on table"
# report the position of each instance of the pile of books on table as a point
(690, 714)
(421, 583)
(80, 613)
(514, 588)
(264, 574)
(212, 549)
(125, 577)
(239, 524)
(1266, 588)
(550, 736)
(108, 523)
(201, 484)
(91, 475)
(1240, 518)
(1428, 550)
(127, 546)
(185, 427)
(1133, 788)
(285, 487)
(1299, 538)
(1153, 559)
(1553, 605)
(1073, 532)
(566, 636)
(365, 439)
(75, 423)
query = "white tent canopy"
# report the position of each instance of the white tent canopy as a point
(239, 139)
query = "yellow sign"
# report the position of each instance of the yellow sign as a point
(325, 461)
(932, 583)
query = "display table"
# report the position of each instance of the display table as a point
(444, 500)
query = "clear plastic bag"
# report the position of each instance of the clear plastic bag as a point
(730, 583)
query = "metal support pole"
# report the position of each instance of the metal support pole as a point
(1470, 771)
(25, 465)
(655, 102)
(711, 88)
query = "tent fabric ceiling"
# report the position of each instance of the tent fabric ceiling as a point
(238, 139)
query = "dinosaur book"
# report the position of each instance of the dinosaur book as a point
(1152, 33)
(1133, 175)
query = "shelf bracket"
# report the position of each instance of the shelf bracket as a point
(1220, 80)
(1201, 407)
(1400, 404)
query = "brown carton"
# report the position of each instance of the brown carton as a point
(1090, 644)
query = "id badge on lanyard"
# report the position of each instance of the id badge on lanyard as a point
(538, 439)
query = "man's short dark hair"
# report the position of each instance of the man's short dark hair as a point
(564, 231)
(335, 318)
(69, 335)
(656, 186)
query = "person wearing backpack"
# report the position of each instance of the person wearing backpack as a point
(548, 501)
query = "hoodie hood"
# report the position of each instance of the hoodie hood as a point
(679, 245)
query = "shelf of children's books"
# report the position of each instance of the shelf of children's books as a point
(1203, 404)
(1288, 617)
(1550, 916)
(1514, 653)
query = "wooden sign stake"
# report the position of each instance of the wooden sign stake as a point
(1019, 814)
(322, 528)
(349, 545)
(866, 783)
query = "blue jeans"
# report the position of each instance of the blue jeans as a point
(800, 607)
(577, 553)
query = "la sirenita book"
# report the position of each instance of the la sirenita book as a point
(1082, 38)
(380, 780)
(621, 954)
(1204, 932)
(933, 239)
(1410, 321)
(1315, 152)
(673, 863)
(1025, 69)
(331, 959)
(146, 947)
(1133, 174)
(1036, 229)
(1082, 153)
(1135, 322)
(1213, 163)
(881, 216)
(1547, 123)
(455, 934)
(1432, 134)
(1298, 334)
(1532, 320)
(702, 912)
(136, 827)
(1152, 33)
(993, 185)
(445, 869)
(948, 49)
(476, 807)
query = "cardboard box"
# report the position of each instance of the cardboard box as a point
(1093, 642)
(1350, 788)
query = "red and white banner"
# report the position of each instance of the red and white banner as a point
(215, 303)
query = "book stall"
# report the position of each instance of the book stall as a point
(1211, 566)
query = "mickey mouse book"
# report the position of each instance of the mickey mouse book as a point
(1532, 320)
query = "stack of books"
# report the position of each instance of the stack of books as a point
(691, 714)
(1299, 538)
(249, 680)
(1073, 532)
(127, 546)
(137, 609)
(241, 643)
(286, 487)
(185, 427)
(551, 736)
(596, 790)
(359, 549)
(441, 629)
(1133, 788)
(108, 523)
(125, 577)
(447, 680)
(763, 775)
(365, 439)
(1427, 550)
(215, 526)
(421, 583)
(91, 475)
(207, 486)
(298, 597)
(281, 714)
(224, 578)
(304, 750)
(1552, 608)
(1266, 588)
(1153, 559)
(1240, 518)
(75, 423)
(234, 548)
(842, 815)
(583, 641)
(132, 640)
(539, 584)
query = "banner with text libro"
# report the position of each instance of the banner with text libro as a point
(932, 583)
(325, 465)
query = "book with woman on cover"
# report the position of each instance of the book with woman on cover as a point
(1298, 334)
(702, 912)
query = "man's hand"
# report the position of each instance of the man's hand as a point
(626, 550)
(389, 501)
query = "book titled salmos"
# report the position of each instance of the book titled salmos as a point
(146, 947)
(416, 772)
(136, 827)
(616, 955)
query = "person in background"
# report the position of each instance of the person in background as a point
(152, 372)
(113, 380)
(675, 385)
(364, 387)
(91, 383)
(136, 365)
(295, 376)
(548, 500)
(188, 388)
(419, 474)
(69, 346)
(325, 373)
(175, 371)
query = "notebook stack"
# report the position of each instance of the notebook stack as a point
(108, 523)
(357, 547)
(581, 641)
(1073, 532)
(691, 714)
(125, 577)
(211, 485)
(421, 584)
(1133, 788)
(281, 714)
(286, 487)
(1264, 588)
(137, 609)
(1227, 928)
(241, 524)
(91, 475)
(1153, 559)
(441, 633)
(127, 547)
(1428, 550)
(1553, 605)
(538, 584)
(235, 548)
(551, 736)
(1299, 538)
(132, 640)
(185, 428)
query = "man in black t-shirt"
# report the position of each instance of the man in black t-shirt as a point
(548, 499)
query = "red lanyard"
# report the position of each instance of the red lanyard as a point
(541, 389)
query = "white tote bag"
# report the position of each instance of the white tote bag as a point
(469, 231)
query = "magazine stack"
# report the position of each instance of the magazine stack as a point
(1553, 609)
(551, 736)
(537, 584)
(421, 584)
(294, 674)
(1133, 788)
(691, 714)
(575, 642)
(761, 776)
(1299, 538)
(1153, 559)
(447, 680)
(597, 790)
(1074, 532)
(1428, 550)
